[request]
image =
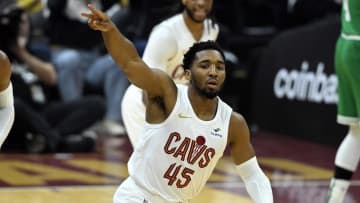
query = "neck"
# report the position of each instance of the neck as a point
(203, 107)
(195, 28)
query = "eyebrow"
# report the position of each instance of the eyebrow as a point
(209, 61)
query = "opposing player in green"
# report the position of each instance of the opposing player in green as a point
(347, 65)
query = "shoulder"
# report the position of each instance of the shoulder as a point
(162, 30)
(170, 22)
(3, 56)
(174, 24)
(167, 85)
(4, 62)
(173, 20)
(161, 44)
(165, 29)
(237, 119)
(238, 128)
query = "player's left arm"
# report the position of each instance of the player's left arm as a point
(5, 71)
(6, 98)
(257, 184)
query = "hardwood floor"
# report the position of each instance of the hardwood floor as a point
(299, 171)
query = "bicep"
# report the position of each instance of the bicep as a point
(141, 75)
(160, 47)
(239, 139)
(153, 81)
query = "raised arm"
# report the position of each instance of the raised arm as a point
(257, 184)
(126, 56)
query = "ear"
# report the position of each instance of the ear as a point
(183, 2)
(187, 73)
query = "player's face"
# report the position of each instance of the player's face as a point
(208, 73)
(198, 10)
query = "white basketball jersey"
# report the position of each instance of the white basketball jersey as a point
(184, 40)
(175, 158)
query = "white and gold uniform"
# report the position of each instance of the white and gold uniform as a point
(166, 46)
(175, 158)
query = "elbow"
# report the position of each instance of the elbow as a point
(52, 80)
(48, 74)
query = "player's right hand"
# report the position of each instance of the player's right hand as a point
(98, 20)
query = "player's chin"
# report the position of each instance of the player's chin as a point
(199, 20)
(211, 93)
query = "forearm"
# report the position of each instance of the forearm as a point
(6, 112)
(44, 70)
(257, 184)
(120, 48)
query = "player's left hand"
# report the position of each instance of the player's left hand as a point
(98, 20)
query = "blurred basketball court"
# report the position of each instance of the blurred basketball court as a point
(299, 171)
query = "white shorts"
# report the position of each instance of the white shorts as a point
(130, 192)
(133, 113)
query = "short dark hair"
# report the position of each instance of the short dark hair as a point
(200, 46)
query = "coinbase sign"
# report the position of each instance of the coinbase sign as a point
(305, 85)
(294, 90)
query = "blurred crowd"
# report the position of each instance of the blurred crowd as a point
(68, 90)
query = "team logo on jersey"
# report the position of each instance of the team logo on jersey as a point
(192, 151)
(216, 132)
(180, 115)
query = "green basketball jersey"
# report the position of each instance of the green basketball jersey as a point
(350, 17)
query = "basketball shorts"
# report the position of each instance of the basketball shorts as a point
(130, 192)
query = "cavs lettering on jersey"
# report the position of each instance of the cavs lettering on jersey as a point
(175, 158)
(183, 39)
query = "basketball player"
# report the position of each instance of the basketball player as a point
(6, 98)
(187, 126)
(165, 48)
(347, 60)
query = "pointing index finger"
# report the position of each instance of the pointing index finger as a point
(96, 12)
(87, 15)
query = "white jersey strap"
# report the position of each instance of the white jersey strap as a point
(7, 112)
(6, 97)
